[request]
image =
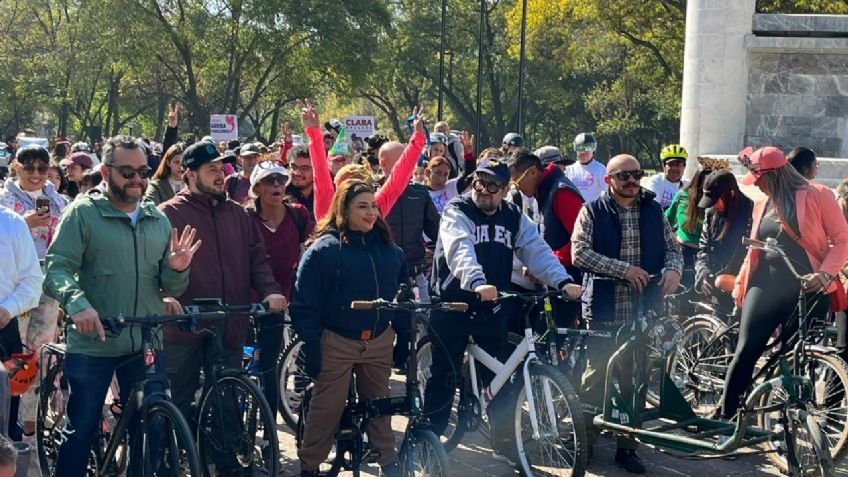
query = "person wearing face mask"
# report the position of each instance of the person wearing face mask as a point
(623, 235)
(587, 174)
(20, 195)
(667, 183)
(478, 237)
(231, 265)
(352, 258)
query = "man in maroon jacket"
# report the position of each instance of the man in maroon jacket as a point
(233, 262)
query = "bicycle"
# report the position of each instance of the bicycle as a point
(421, 452)
(161, 444)
(547, 425)
(236, 432)
(787, 396)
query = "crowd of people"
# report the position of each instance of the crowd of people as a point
(115, 229)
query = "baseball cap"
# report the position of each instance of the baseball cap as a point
(204, 152)
(513, 139)
(759, 162)
(717, 185)
(80, 158)
(495, 168)
(552, 155)
(249, 149)
(265, 169)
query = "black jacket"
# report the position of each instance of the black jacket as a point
(726, 255)
(413, 215)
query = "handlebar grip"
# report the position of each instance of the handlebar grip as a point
(753, 242)
(361, 305)
(456, 306)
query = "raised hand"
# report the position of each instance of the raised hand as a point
(174, 115)
(467, 141)
(308, 114)
(183, 248)
(286, 133)
(420, 120)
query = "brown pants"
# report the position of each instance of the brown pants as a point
(372, 362)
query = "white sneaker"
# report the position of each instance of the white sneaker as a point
(502, 458)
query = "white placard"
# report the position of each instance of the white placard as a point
(360, 126)
(223, 127)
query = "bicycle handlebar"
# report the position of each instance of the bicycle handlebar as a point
(770, 246)
(408, 305)
(195, 311)
(532, 297)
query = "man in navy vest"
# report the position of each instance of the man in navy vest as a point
(478, 237)
(559, 203)
(621, 241)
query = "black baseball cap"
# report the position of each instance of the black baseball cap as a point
(717, 185)
(249, 149)
(494, 168)
(204, 152)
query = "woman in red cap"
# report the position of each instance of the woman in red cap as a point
(799, 215)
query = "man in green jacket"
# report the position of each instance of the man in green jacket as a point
(112, 254)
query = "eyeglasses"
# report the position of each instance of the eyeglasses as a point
(301, 169)
(128, 172)
(273, 179)
(626, 175)
(31, 169)
(490, 187)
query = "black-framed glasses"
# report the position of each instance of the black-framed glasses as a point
(490, 187)
(272, 179)
(625, 175)
(32, 169)
(128, 172)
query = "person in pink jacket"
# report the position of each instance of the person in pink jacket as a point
(807, 223)
(396, 182)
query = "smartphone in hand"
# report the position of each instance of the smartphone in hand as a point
(42, 205)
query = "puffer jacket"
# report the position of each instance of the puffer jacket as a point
(414, 214)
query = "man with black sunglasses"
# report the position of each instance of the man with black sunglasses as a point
(622, 235)
(478, 238)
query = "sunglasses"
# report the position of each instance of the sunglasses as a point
(128, 172)
(584, 148)
(273, 179)
(490, 187)
(626, 175)
(30, 169)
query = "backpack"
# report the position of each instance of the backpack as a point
(232, 185)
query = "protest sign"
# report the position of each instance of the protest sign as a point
(223, 127)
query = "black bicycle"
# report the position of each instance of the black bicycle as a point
(421, 452)
(236, 432)
(161, 443)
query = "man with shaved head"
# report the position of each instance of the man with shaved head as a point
(629, 255)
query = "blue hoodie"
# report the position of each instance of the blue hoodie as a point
(332, 275)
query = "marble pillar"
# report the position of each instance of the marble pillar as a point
(715, 77)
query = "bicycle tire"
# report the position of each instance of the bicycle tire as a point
(458, 420)
(257, 438)
(815, 460)
(426, 453)
(570, 432)
(181, 443)
(293, 382)
(835, 421)
(699, 365)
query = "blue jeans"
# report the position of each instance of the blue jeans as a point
(89, 378)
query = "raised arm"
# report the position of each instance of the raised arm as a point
(402, 172)
(322, 186)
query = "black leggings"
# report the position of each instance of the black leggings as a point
(762, 312)
(270, 341)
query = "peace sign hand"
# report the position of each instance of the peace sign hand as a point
(174, 115)
(183, 248)
(420, 120)
(308, 114)
(467, 141)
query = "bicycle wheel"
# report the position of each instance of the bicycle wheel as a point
(828, 406)
(51, 417)
(699, 365)
(236, 433)
(457, 422)
(560, 449)
(807, 451)
(293, 381)
(162, 445)
(422, 454)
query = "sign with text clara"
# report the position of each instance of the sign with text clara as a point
(358, 128)
(223, 127)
